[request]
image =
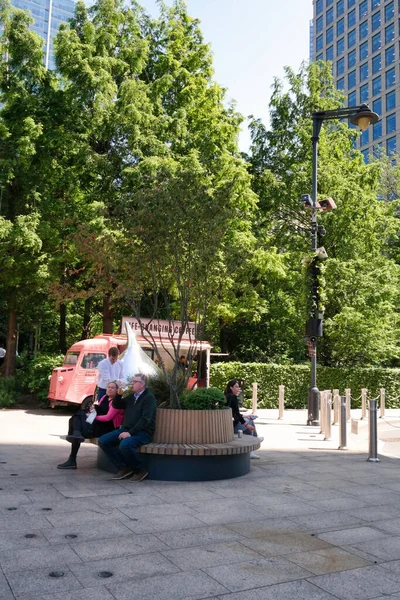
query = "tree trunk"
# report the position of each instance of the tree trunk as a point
(9, 362)
(107, 316)
(223, 341)
(86, 318)
(63, 329)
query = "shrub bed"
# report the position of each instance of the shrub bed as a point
(296, 379)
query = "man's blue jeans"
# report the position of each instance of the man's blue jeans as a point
(122, 453)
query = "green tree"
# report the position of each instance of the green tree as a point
(281, 165)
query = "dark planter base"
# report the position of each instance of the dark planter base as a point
(163, 467)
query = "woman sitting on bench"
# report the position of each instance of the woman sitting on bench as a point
(107, 419)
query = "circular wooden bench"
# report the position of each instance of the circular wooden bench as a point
(192, 462)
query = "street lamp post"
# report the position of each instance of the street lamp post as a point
(363, 117)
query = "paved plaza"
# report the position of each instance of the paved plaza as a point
(308, 522)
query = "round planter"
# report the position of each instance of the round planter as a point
(174, 426)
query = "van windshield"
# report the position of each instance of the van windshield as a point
(92, 359)
(71, 358)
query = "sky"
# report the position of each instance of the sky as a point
(252, 41)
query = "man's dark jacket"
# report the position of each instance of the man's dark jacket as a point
(140, 414)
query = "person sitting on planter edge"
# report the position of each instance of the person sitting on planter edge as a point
(137, 429)
(107, 419)
(240, 422)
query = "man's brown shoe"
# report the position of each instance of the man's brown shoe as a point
(139, 476)
(123, 473)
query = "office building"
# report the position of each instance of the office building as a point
(361, 38)
(47, 15)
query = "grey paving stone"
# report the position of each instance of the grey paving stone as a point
(293, 590)
(12, 497)
(24, 522)
(328, 560)
(389, 525)
(215, 505)
(131, 500)
(342, 503)
(385, 549)
(61, 505)
(324, 521)
(208, 556)
(181, 586)
(256, 573)
(90, 530)
(197, 536)
(118, 546)
(265, 527)
(160, 509)
(33, 583)
(84, 516)
(393, 566)
(183, 494)
(13, 540)
(77, 490)
(359, 584)
(233, 515)
(126, 568)
(162, 524)
(276, 544)
(97, 593)
(5, 590)
(32, 558)
(374, 513)
(291, 509)
(352, 536)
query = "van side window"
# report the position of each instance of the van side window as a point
(71, 358)
(92, 359)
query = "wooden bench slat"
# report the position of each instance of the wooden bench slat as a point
(237, 446)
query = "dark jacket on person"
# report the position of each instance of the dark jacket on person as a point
(233, 402)
(140, 414)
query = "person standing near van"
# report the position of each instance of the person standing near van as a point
(109, 369)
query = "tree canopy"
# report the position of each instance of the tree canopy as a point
(123, 191)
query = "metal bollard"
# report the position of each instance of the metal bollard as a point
(373, 432)
(336, 406)
(322, 411)
(343, 424)
(281, 401)
(364, 403)
(347, 391)
(382, 404)
(328, 416)
(254, 399)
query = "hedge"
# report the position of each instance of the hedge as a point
(296, 379)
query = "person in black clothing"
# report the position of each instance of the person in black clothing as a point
(107, 419)
(137, 429)
(239, 421)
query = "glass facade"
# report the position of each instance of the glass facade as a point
(48, 16)
(362, 40)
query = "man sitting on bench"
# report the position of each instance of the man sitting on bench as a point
(136, 430)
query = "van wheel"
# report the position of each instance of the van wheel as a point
(86, 401)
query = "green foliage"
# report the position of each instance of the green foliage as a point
(210, 398)
(35, 375)
(9, 391)
(296, 379)
(161, 388)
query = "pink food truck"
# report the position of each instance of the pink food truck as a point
(75, 381)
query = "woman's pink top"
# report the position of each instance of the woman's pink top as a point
(114, 414)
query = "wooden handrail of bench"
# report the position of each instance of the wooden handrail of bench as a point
(237, 446)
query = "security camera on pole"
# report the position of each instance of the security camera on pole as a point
(361, 116)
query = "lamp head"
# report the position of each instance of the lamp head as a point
(364, 117)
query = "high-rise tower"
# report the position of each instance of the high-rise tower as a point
(48, 15)
(361, 38)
